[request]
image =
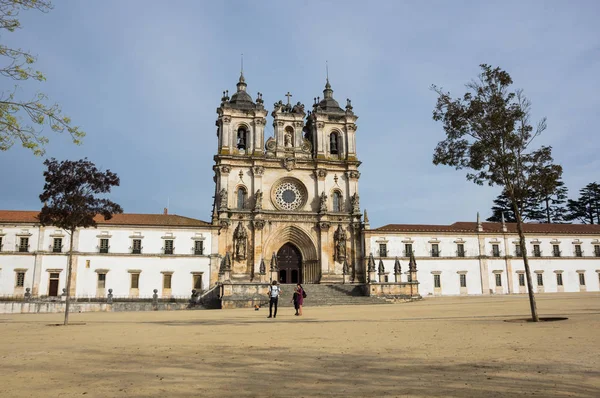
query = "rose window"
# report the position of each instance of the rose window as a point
(289, 195)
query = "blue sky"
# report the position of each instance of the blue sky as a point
(144, 78)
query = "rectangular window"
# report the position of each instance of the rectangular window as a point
(167, 281)
(135, 281)
(597, 250)
(435, 250)
(437, 282)
(536, 251)
(460, 250)
(408, 249)
(24, 245)
(57, 245)
(521, 279)
(581, 279)
(168, 246)
(382, 250)
(20, 279)
(496, 250)
(101, 281)
(498, 280)
(518, 251)
(137, 246)
(463, 280)
(559, 281)
(578, 251)
(540, 279)
(556, 250)
(199, 248)
(103, 245)
(198, 282)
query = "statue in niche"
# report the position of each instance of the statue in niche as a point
(354, 200)
(323, 202)
(287, 139)
(240, 237)
(333, 144)
(339, 237)
(222, 199)
(258, 200)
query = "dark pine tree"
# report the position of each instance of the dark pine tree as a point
(72, 199)
(586, 209)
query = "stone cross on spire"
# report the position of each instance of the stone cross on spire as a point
(288, 95)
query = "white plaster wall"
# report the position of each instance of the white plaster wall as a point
(121, 240)
(8, 264)
(119, 279)
(450, 279)
(54, 262)
(11, 238)
(569, 266)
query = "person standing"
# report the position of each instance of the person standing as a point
(300, 297)
(274, 292)
(295, 300)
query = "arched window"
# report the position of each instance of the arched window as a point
(241, 198)
(242, 138)
(334, 143)
(337, 201)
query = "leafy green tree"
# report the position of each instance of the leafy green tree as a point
(22, 117)
(71, 200)
(488, 133)
(502, 205)
(586, 209)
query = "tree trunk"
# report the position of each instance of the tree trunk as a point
(548, 210)
(534, 314)
(69, 268)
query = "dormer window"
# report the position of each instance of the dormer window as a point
(334, 143)
(242, 196)
(242, 138)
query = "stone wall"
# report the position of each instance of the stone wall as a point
(22, 307)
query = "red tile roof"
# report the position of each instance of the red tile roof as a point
(493, 227)
(159, 220)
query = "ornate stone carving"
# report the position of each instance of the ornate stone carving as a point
(225, 169)
(240, 238)
(258, 224)
(371, 263)
(397, 267)
(324, 225)
(258, 196)
(321, 173)
(289, 163)
(353, 174)
(320, 125)
(258, 170)
(287, 139)
(225, 264)
(262, 269)
(351, 127)
(223, 199)
(224, 224)
(355, 202)
(260, 122)
(339, 237)
(280, 123)
(323, 203)
(226, 119)
(274, 266)
(306, 146)
(271, 144)
(298, 124)
(345, 269)
(381, 267)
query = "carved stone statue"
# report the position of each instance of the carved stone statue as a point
(339, 237)
(240, 238)
(287, 139)
(355, 201)
(323, 202)
(298, 108)
(223, 199)
(258, 200)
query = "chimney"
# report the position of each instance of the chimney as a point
(165, 211)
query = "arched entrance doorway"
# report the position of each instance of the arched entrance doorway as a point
(289, 261)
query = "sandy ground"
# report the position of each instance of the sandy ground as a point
(433, 348)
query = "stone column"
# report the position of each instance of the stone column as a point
(37, 267)
(326, 249)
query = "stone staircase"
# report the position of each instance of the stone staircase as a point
(335, 294)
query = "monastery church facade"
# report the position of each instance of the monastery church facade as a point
(288, 208)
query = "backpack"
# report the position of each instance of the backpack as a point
(303, 293)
